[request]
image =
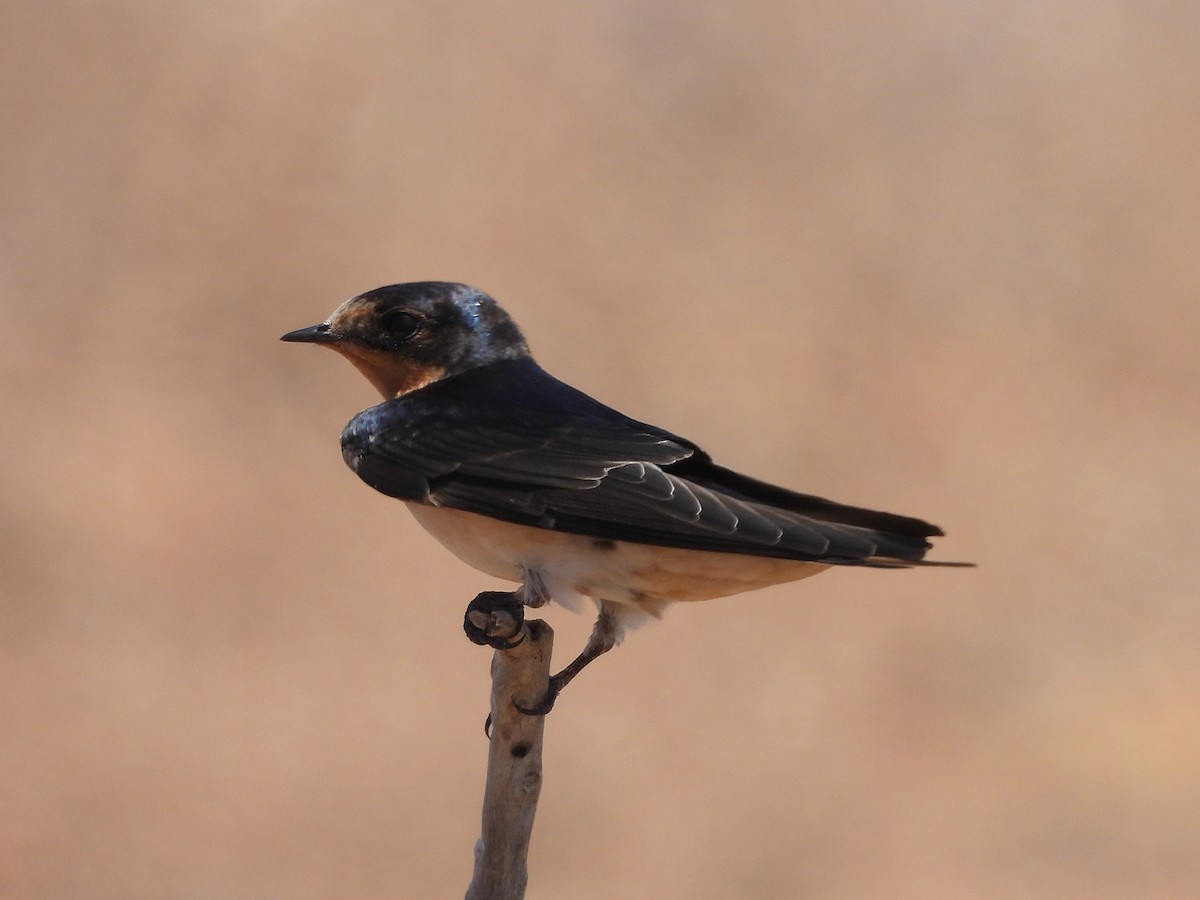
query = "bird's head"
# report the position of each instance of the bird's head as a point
(405, 336)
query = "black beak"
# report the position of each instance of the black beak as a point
(313, 334)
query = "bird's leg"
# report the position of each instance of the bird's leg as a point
(495, 618)
(606, 634)
(533, 591)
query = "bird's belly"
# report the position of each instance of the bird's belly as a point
(572, 566)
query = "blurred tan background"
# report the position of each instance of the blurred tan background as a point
(937, 258)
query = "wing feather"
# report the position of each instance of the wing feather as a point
(509, 441)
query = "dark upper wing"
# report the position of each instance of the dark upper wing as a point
(510, 441)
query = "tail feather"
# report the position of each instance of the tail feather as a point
(719, 478)
(891, 562)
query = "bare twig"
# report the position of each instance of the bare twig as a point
(520, 674)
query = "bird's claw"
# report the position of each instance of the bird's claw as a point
(541, 708)
(495, 619)
(545, 704)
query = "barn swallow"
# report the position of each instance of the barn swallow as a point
(532, 481)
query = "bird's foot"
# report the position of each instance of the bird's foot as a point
(543, 706)
(546, 703)
(495, 619)
(605, 635)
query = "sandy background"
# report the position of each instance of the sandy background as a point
(938, 258)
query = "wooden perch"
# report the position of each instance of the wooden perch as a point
(520, 673)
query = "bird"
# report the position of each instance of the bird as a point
(532, 481)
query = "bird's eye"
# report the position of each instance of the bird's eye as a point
(399, 325)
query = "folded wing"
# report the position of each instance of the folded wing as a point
(511, 442)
